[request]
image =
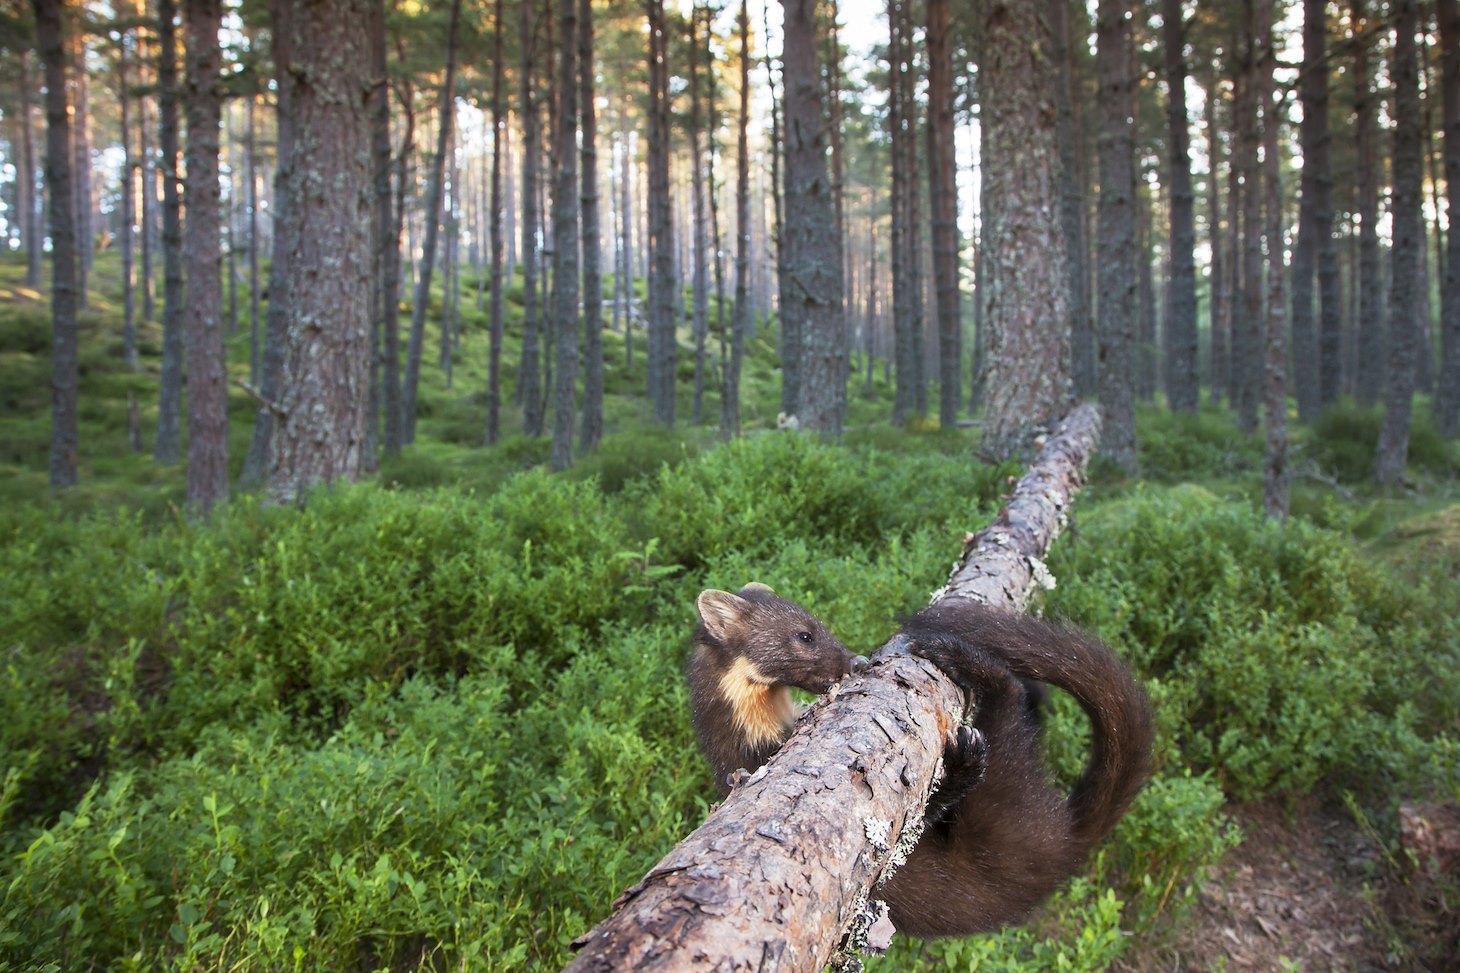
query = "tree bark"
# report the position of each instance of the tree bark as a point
(663, 354)
(1275, 384)
(1183, 384)
(740, 321)
(127, 185)
(1217, 280)
(50, 26)
(1023, 278)
(789, 860)
(434, 192)
(1447, 395)
(700, 276)
(1247, 328)
(495, 320)
(167, 445)
(1115, 265)
(567, 203)
(814, 253)
(1407, 302)
(593, 378)
(387, 239)
(943, 203)
(202, 315)
(1369, 323)
(907, 288)
(325, 72)
(1072, 204)
(529, 374)
(84, 197)
(30, 212)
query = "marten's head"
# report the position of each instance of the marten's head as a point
(768, 641)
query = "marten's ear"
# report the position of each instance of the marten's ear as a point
(724, 614)
(764, 589)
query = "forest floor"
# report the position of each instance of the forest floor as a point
(1308, 889)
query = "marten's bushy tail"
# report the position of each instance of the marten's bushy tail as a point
(1087, 669)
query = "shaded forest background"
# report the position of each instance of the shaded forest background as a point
(1005, 207)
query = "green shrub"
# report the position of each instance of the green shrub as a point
(1276, 644)
(1178, 446)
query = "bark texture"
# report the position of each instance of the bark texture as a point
(663, 354)
(943, 202)
(593, 378)
(1408, 302)
(740, 317)
(1072, 203)
(1275, 384)
(775, 876)
(1023, 277)
(1447, 393)
(65, 349)
(496, 320)
(566, 204)
(202, 313)
(1368, 358)
(1183, 385)
(167, 446)
(814, 253)
(1115, 265)
(320, 434)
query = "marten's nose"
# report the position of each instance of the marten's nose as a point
(859, 662)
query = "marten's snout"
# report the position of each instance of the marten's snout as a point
(859, 662)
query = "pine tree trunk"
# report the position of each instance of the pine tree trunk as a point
(1115, 265)
(792, 327)
(591, 433)
(251, 174)
(85, 188)
(1217, 281)
(1023, 283)
(700, 271)
(324, 70)
(1370, 319)
(662, 350)
(386, 348)
(529, 376)
(496, 324)
(907, 312)
(29, 209)
(256, 465)
(740, 320)
(1408, 302)
(50, 27)
(1183, 383)
(167, 446)
(127, 184)
(1247, 330)
(1447, 397)
(148, 171)
(1312, 88)
(567, 204)
(1330, 278)
(434, 190)
(814, 257)
(202, 315)
(1275, 384)
(943, 202)
(1072, 202)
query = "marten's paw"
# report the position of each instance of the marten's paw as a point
(964, 763)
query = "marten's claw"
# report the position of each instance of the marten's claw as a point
(964, 763)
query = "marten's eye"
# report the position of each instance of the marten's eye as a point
(805, 637)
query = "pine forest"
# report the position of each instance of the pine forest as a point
(381, 382)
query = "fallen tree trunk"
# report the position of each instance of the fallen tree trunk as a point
(778, 874)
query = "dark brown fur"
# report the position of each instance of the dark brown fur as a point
(1000, 837)
(750, 648)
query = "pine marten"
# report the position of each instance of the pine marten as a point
(750, 648)
(999, 837)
